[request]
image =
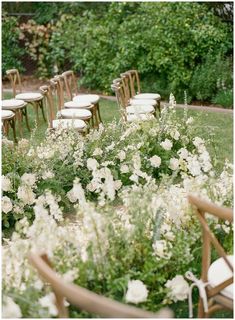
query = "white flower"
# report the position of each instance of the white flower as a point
(92, 164)
(110, 147)
(70, 275)
(6, 184)
(124, 168)
(137, 292)
(121, 155)
(190, 120)
(28, 179)
(97, 152)
(10, 309)
(179, 288)
(175, 134)
(47, 175)
(155, 161)
(183, 153)
(134, 178)
(48, 301)
(198, 142)
(26, 195)
(160, 249)
(166, 144)
(117, 184)
(174, 164)
(6, 204)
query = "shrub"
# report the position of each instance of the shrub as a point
(11, 51)
(224, 98)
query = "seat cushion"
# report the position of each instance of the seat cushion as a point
(69, 123)
(139, 117)
(7, 114)
(135, 102)
(75, 113)
(78, 104)
(29, 96)
(92, 98)
(12, 103)
(140, 109)
(154, 96)
(218, 273)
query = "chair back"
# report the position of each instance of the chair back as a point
(134, 82)
(47, 91)
(119, 90)
(70, 84)
(201, 207)
(126, 82)
(85, 299)
(14, 77)
(58, 83)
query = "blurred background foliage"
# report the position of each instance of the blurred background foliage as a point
(175, 46)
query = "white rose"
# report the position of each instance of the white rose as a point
(166, 144)
(97, 152)
(121, 155)
(118, 184)
(6, 184)
(137, 292)
(47, 175)
(71, 196)
(6, 204)
(174, 164)
(198, 142)
(183, 153)
(10, 309)
(29, 179)
(134, 178)
(26, 195)
(124, 168)
(155, 161)
(175, 135)
(92, 164)
(179, 288)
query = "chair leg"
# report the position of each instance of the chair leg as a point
(159, 106)
(201, 312)
(99, 115)
(25, 113)
(42, 109)
(12, 123)
(96, 117)
(19, 118)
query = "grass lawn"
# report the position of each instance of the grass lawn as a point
(220, 124)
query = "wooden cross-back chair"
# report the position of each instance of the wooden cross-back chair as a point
(130, 112)
(72, 94)
(219, 274)
(54, 123)
(134, 83)
(33, 98)
(71, 109)
(8, 120)
(84, 299)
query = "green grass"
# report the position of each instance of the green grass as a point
(220, 124)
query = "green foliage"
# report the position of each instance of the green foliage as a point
(224, 98)
(11, 51)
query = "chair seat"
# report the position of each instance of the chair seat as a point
(140, 109)
(92, 98)
(75, 113)
(137, 102)
(7, 114)
(218, 273)
(12, 104)
(29, 96)
(139, 117)
(69, 123)
(154, 96)
(78, 104)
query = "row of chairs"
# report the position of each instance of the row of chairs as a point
(79, 107)
(133, 104)
(219, 274)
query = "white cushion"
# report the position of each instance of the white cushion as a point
(135, 102)
(75, 113)
(69, 123)
(154, 96)
(7, 114)
(140, 109)
(218, 273)
(29, 96)
(92, 98)
(12, 103)
(139, 117)
(76, 104)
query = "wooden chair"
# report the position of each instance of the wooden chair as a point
(85, 299)
(219, 274)
(134, 83)
(8, 120)
(19, 107)
(54, 123)
(130, 112)
(33, 98)
(72, 94)
(69, 113)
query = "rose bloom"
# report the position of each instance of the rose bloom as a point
(26, 195)
(121, 155)
(92, 164)
(10, 309)
(6, 184)
(29, 179)
(137, 292)
(174, 164)
(166, 144)
(124, 168)
(6, 204)
(179, 288)
(155, 161)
